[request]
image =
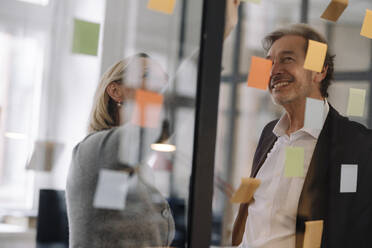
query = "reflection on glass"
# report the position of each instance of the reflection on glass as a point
(111, 198)
(162, 143)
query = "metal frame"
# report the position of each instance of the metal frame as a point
(209, 70)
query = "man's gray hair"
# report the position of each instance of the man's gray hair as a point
(308, 33)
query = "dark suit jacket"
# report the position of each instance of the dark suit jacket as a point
(347, 216)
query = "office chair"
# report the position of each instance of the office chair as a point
(52, 223)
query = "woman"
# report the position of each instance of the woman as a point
(146, 218)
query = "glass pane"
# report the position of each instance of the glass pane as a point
(140, 144)
(97, 112)
(343, 33)
(241, 157)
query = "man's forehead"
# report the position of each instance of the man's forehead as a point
(288, 44)
(281, 53)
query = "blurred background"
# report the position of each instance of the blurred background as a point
(47, 85)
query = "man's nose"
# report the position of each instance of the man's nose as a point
(276, 68)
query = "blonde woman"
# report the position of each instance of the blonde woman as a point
(146, 218)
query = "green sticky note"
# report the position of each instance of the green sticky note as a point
(86, 36)
(355, 105)
(294, 162)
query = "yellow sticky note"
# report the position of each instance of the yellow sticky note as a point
(86, 36)
(164, 6)
(313, 234)
(259, 73)
(252, 1)
(246, 190)
(367, 25)
(335, 10)
(294, 162)
(355, 105)
(147, 109)
(315, 56)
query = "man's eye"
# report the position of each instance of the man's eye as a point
(287, 59)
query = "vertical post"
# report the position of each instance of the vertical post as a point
(232, 119)
(369, 121)
(209, 70)
(304, 11)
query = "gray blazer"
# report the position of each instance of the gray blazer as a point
(146, 220)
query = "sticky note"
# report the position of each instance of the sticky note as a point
(314, 112)
(294, 161)
(349, 178)
(259, 73)
(86, 36)
(111, 190)
(367, 25)
(335, 10)
(313, 234)
(315, 56)
(252, 1)
(246, 190)
(164, 6)
(147, 109)
(355, 106)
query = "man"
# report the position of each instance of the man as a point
(281, 206)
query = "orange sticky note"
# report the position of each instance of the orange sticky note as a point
(367, 25)
(315, 56)
(147, 109)
(164, 6)
(259, 73)
(335, 10)
(313, 234)
(246, 190)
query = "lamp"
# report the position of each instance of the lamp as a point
(161, 144)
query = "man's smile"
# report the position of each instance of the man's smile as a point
(280, 81)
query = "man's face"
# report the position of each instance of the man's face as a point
(290, 82)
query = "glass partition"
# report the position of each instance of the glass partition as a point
(99, 99)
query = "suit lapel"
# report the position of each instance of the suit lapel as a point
(313, 199)
(267, 144)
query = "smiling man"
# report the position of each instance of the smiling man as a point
(276, 216)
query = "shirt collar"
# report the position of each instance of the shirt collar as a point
(283, 124)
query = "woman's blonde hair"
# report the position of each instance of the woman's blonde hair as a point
(104, 114)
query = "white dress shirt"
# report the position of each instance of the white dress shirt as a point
(272, 215)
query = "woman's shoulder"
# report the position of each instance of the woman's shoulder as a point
(97, 144)
(100, 138)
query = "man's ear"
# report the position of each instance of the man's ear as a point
(115, 91)
(319, 76)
